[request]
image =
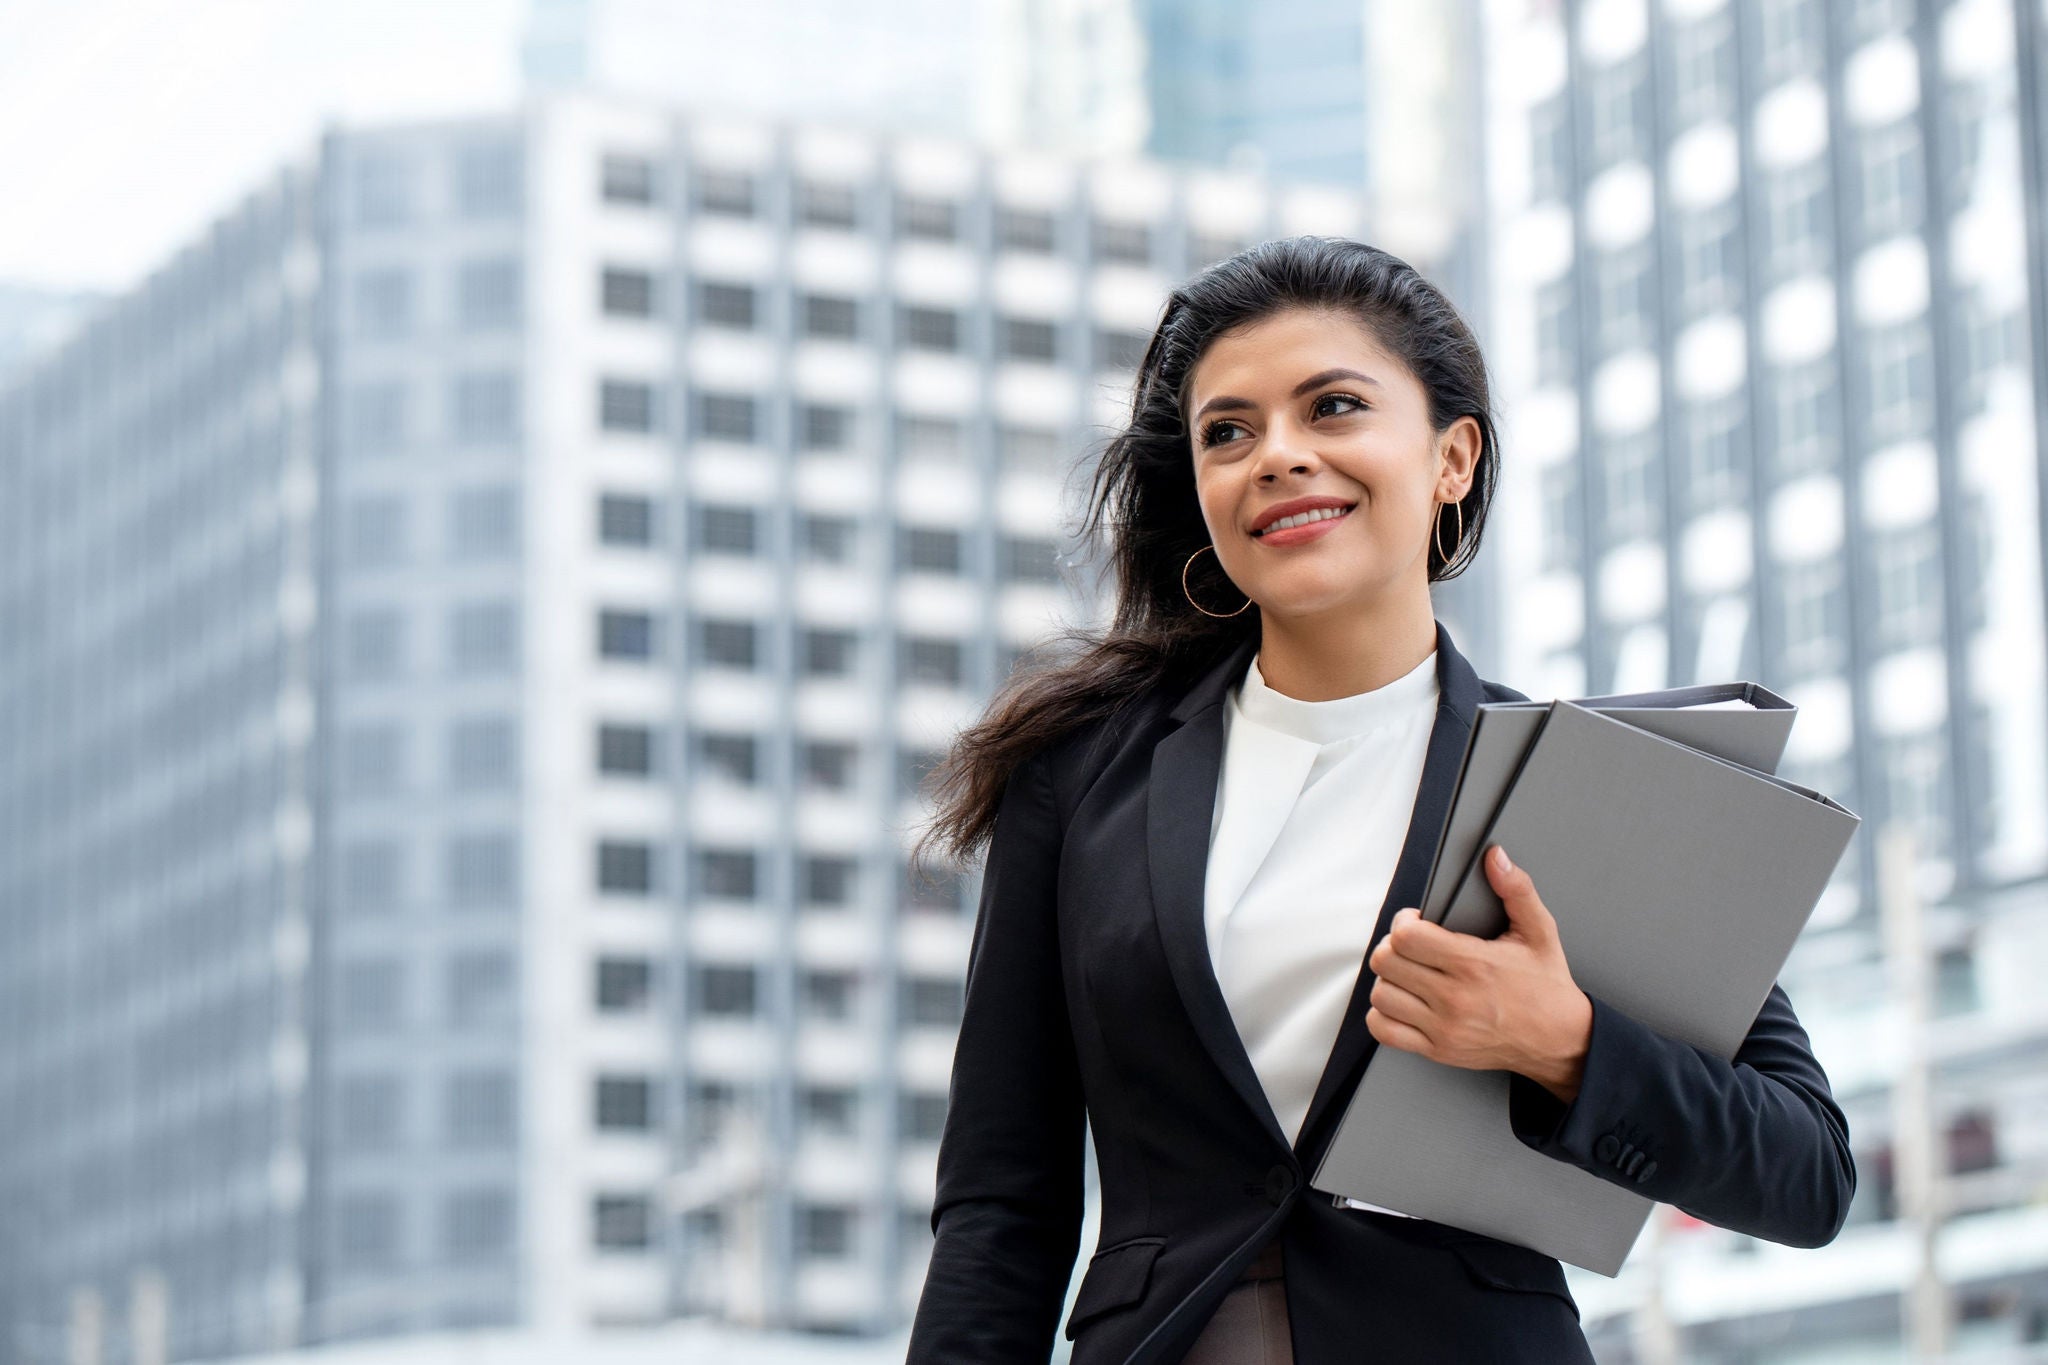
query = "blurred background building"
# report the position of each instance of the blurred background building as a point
(476, 615)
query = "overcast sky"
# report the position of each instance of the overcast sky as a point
(126, 125)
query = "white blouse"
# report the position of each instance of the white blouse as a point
(1311, 809)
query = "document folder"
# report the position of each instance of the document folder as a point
(1679, 876)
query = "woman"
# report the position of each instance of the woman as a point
(1206, 832)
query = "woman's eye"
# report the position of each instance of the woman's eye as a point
(1211, 433)
(1341, 398)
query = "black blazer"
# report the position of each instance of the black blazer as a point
(1090, 996)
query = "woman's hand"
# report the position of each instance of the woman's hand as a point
(1500, 1004)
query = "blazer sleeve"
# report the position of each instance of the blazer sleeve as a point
(1756, 1144)
(1007, 1213)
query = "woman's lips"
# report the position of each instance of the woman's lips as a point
(1298, 535)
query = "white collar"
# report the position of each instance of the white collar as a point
(1322, 722)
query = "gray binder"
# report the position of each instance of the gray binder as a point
(1679, 877)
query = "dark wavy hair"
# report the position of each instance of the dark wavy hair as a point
(1145, 482)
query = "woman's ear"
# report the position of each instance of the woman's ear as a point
(1457, 459)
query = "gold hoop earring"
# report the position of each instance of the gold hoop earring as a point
(1191, 597)
(1437, 534)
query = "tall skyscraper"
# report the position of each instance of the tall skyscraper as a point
(476, 622)
(1768, 311)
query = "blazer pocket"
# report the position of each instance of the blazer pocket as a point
(1116, 1276)
(1503, 1265)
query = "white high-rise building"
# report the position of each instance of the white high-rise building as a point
(475, 623)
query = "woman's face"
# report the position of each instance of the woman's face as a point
(1308, 404)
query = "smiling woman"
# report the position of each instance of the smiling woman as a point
(1207, 831)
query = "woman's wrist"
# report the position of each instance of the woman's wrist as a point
(1561, 1065)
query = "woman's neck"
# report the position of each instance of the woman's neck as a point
(1317, 659)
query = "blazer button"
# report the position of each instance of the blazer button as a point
(1649, 1169)
(1279, 1184)
(1607, 1148)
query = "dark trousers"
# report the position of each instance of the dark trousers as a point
(1250, 1325)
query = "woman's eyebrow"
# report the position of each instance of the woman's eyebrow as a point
(1314, 381)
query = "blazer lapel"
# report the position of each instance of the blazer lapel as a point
(1458, 697)
(1180, 803)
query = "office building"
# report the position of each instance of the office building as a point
(1767, 307)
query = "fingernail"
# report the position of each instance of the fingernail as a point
(1500, 859)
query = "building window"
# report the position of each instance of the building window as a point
(828, 316)
(1634, 492)
(625, 750)
(819, 204)
(726, 992)
(1027, 559)
(728, 873)
(1205, 248)
(828, 995)
(384, 303)
(828, 764)
(727, 305)
(1127, 243)
(1550, 149)
(1031, 230)
(376, 531)
(383, 189)
(625, 405)
(936, 220)
(728, 530)
(476, 1225)
(1908, 591)
(1790, 36)
(1713, 433)
(622, 1222)
(930, 438)
(625, 867)
(483, 753)
(729, 643)
(915, 765)
(1894, 183)
(1796, 212)
(821, 426)
(625, 635)
(734, 758)
(624, 293)
(1814, 617)
(928, 549)
(1561, 511)
(828, 879)
(1623, 281)
(939, 888)
(1917, 788)
(375, 644)
(486, 408)
(483, 637)
(932, 659)
(483, 522)
(624, 1103)
(829, 652)
(626, 179)
(624, 519)
(1027, 339)
(368, 1116)
(1703, 68)
(625, 985)
(923, 1117)
(829, 1110)
(377, 417)
(487, 181)
(372, 875)
(366, 1229)
(483, 870)
(488, 295)
(928, 329)
(932, 1001)
(1805, 411)
(727, 416)
(370, 998)
(827, 540)
(1709, 268)
(1557, 331)
(1031, 450)
(1617, 97)
(1119, 349)
(730, 194)
(1899, 368)
(480, 989)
